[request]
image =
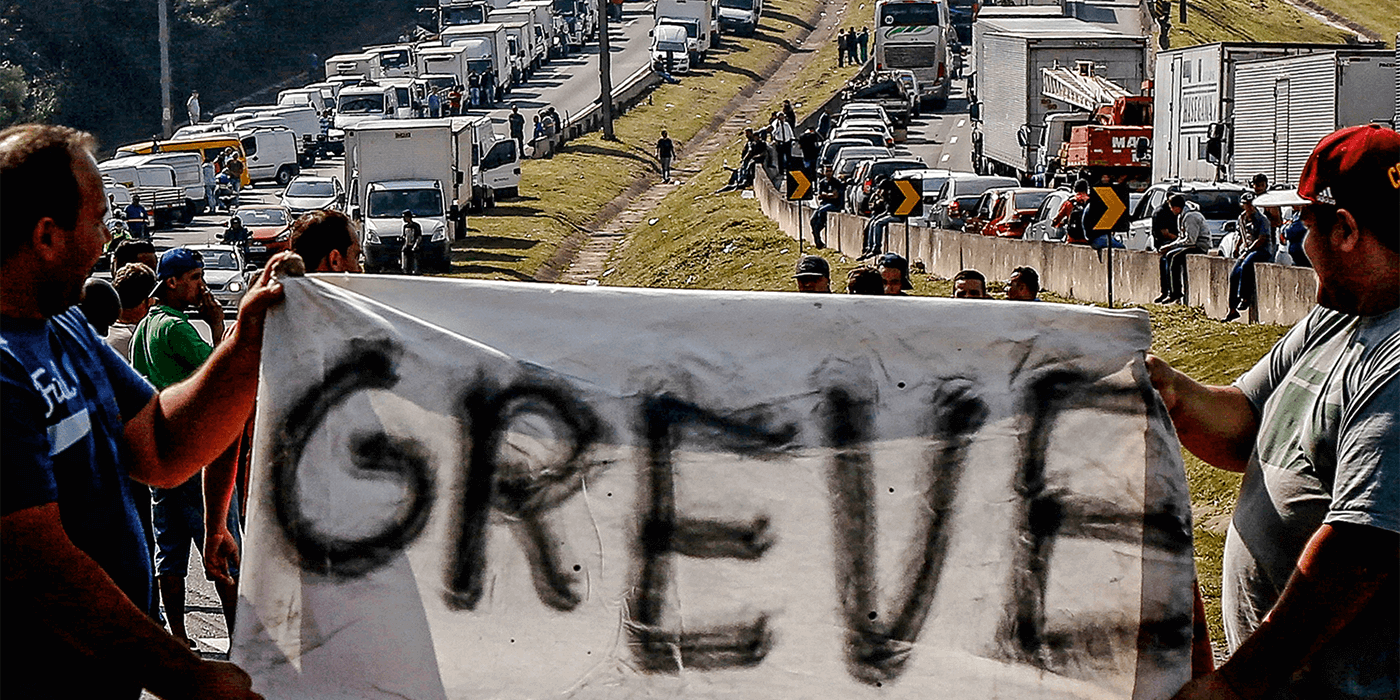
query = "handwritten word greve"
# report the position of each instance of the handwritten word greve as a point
(877, 646)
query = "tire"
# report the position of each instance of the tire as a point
(187, 214)
(509, 193)
(285, 175)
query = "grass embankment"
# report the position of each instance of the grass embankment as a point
(1379, 17)
(563, 194)
(1255, 20)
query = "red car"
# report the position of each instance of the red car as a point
(1013, 211)
(269, 228)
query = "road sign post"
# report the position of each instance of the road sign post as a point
(798, 187)
(1105, 216)
(910, 204)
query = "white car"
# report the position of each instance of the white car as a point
(311, 192)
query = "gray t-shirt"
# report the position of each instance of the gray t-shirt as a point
(1328, 451)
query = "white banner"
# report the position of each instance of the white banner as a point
(502, 490)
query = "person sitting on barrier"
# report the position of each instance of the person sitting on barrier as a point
(894, 274)
(831, 194)
(1023, 285)
(1293, 233)
(1192, 238)
(970, 284)
(1257, 241)
(1071, 214)
(866, 281)
(882, 206)
(813, 275)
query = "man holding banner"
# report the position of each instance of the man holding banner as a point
(77, 421)
(1310, 570)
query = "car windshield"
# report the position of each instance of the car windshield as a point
(1030, 200)
(478, 65)
(362, 104)
(967, 202)
(262, 217)
(1216, 204)
(888, 168)
(453, 16)
(444, 82)
(674, 47)
(219, 260)
(386, 204)
(394, 59)
(737, 4)
(313, 188)
(909, 14)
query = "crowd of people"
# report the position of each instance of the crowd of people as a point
(91, 421)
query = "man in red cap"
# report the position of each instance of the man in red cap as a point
(1310, 599)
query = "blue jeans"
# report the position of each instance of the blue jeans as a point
(875, 234)
(177, 516)
(1242, 278)
(819, 220)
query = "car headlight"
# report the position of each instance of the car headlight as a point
(235, 286)
(371, 236)
(283, 237)
(440, 232)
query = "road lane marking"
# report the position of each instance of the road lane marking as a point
(944, 158)
(961, 122)
(952, 140)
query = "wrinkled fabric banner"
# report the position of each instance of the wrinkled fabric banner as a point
(467, 489)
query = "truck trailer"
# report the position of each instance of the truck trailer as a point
(1009, 106)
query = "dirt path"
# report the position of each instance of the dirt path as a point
(582, 256)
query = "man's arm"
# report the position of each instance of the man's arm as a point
(1339, 573)
(1216, 423)
(67, 592)
(187, 425)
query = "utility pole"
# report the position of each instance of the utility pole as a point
(605, 70)
(167, 118)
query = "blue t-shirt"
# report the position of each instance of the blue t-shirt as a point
(66, 397)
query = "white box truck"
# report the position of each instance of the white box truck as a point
(437, 61)
(394, 60)
(349, 64)
(486, 47)
(696, 16)
(1008, 107)
(533, 38)
(521, 44)
(1284, 106)
(580, 21)
(556, 28)
(396, 165)
(495, 163)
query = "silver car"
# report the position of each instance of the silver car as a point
(224, 274)
(310, 192)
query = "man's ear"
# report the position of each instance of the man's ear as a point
(1346, 234)
(333, 261)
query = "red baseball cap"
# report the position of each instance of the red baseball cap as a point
(1356, 168)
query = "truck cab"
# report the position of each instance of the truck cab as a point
(382, 212)
(455, 13)
(394, 60)
(366, 101)
(362, 64)
(740, 16)
(669, 47)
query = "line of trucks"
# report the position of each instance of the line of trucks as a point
(1055, 98)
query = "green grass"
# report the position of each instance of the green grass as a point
(1379, 17)
(1251, 20)
(564, 193)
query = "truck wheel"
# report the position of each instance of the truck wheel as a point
(187, 214)
(285, 175)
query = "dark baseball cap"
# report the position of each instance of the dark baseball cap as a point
(178, 261)
(895, 261)
(812, 266)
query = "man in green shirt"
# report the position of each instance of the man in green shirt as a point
(166, 348)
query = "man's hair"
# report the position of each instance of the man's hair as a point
(130, 251)
(316, 233)
(1258, 178)
(1029, 276)
(1081, 186)
(37, 181)
(1177, 201)
(134, 282)
(865, 280)
(971, 274)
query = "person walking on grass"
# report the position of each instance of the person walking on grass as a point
(665, 152)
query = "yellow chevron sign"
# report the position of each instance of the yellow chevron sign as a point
(912, 204)
(798, 185)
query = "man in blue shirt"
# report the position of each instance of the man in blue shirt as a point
(77, 422)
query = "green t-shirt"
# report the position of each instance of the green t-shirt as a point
(166, 348)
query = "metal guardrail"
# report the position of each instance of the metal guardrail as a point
(627, 93)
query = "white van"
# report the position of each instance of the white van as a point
(271, 154)
(367, 101)
(670, 39)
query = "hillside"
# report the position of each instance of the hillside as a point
(95, 64)
(1250, 20)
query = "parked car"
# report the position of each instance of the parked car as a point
(310, 192)
(832, 147)
(224, 274)
(959, 193)
(1219, 202)
(871, 170)
(1013, 211)
(977, 215)
(872, 137)
(269, 230)
(1042, 226)
(850, 158)
(862, 110)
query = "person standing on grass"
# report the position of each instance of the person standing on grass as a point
(1310, 575)
(841, 48)
(863, 41)
(665, 151)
